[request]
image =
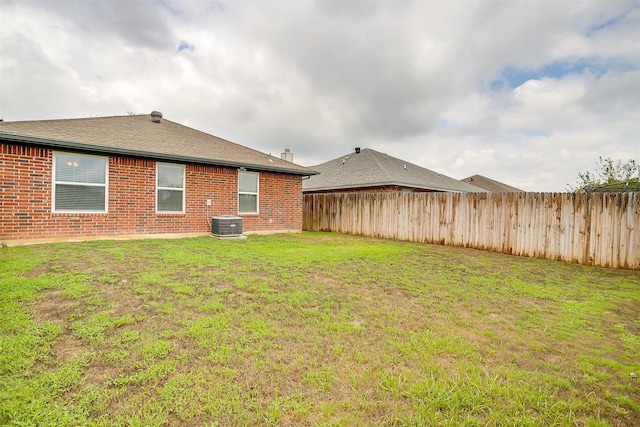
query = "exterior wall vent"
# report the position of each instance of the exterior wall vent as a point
(226, 226)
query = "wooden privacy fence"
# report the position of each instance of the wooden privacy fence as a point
(589, 228)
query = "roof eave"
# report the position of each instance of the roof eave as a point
(145, 154)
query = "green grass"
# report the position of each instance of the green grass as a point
(312, 329)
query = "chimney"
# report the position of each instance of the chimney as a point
(287, 155)
(156, 116)
(357, 150)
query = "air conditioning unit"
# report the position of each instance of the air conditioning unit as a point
(226, 226)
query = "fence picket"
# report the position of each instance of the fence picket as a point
(597, 229)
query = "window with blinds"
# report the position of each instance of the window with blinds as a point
(79, 183)
(170, 188)
(247, 192)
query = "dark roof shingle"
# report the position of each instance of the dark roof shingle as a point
(490, 185)
(370, 168)
(139, 135)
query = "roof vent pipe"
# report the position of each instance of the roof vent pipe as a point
(357, 150)
(287, 155)
(156, 116)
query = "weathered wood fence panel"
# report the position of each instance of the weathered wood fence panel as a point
(589, 228)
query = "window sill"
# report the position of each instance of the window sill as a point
(79, 213)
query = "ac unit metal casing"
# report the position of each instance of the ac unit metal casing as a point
(226, 226)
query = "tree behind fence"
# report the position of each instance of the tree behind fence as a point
(596, 229)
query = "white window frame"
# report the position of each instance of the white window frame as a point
(54, 209)
(256, 193)
(184, 170)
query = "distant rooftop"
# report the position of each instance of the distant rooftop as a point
(617, 187)
(490, 185)
(370, 168)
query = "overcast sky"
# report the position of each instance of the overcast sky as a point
(526, 92)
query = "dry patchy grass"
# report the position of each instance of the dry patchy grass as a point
(312, 329)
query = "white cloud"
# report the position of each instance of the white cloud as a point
(412, 79)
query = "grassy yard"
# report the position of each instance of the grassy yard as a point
(312, 329)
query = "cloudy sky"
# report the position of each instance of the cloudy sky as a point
(526, 92)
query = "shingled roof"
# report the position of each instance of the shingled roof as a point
(143, 136)
(370, 168)
(490, 185)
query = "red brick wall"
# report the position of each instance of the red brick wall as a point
(280, 204)
(379, 189)
(26, 205)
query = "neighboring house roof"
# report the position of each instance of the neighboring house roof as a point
(616, 187)
(370, 168)
(144, 136)
(489, 184)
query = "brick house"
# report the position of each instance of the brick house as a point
(367, 170)
(136, 175)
